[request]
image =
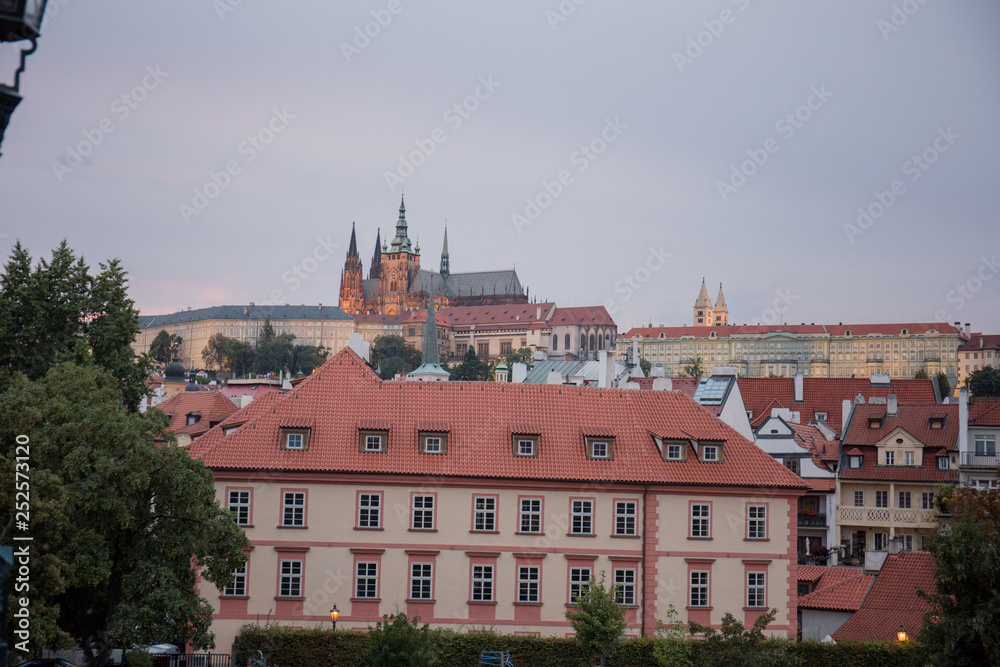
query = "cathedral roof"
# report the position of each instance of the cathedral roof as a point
(469, 284)
(251, 312)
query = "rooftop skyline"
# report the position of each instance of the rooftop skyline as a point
(825, 163)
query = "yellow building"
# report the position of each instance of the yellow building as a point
(318, 325)
(980, 351)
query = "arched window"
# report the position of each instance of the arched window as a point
(583, 342)
(566, 340)
(592, 343)
(555, 343)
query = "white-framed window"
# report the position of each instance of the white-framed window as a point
(421, 578)
(820, 416)
(581, 517)
(600, 450)
(756, 589)
(986, 445)
(484, 513)
(294, 441)
(239, 586)
(599, 447)
(423, 512)
(482, 583)
(531, 515)
(756, 522)
(881, 499)
(710, 453)
(881, 541)
(942, 463)
(579, 582)
(674, 451)
(908, 458)
(239, 505)
(701, 515)
(290, 583)
(432, 444)
(904, 500)
(625, 586)
(854, 461)
(907, 541)
(293, 505)
(370, 510)
(525, 447)
(859, 498)
(927, 500)
(366, 580)
(527, 583)
(373, 442)
(698, 588)
(625, 515)
(890, 458)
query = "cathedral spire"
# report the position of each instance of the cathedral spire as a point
(352, 251)
(720, 313)
(445, 270)
(376, 268)
(703, 307)
(401, 242)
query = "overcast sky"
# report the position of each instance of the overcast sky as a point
(614, 153)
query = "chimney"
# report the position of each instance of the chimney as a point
(554, 377)
(798, 380)
(605, 369)
(981, 340)
(538, 312)
(963, 420)
(845, 414)
(518, 372)
(891, 406)
(321, 306)
(967, 326)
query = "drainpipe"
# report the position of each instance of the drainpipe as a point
(645, 507)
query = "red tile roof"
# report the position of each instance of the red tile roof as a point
(914, 419)
(984, 412)
(211, 405)
(823, 395)
(893, 600)
(979, 341)
(595, 315)
(892, 329)
(485, 316)
(677, 332)
(812, 438)
(345, 394)
(253, 390)
(842, 589)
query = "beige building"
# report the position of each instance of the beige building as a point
(781, 350)
(980, 351)
(467, 504)
(318, 325)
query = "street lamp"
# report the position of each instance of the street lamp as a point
(334, 615)
(901, 634)
(19, 19)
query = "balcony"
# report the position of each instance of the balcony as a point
(977, 460)
(886, 516)
(814, 521)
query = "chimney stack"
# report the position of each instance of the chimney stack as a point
(798, 382)
(845, 414)
(891, 406)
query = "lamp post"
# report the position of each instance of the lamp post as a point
(19, 19)
(334, 615)
(901, 634)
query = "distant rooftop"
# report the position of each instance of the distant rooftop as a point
(247, 312)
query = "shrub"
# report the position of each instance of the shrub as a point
(138, 659)
(398, 641)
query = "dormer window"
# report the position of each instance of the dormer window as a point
(821, 417)
(433, 443)
(942, 463)
(295, 439)
(524, 445)
(711, 452)
(854, 461)
(192, 418)
(935, 423)
(372, 441)
(890, 458)
(874, 422)
(600, 447)
(674, 451)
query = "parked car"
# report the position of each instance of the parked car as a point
(56, 662)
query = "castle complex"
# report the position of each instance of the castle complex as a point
(397, 284)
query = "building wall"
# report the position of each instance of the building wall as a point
(818, 623)
(783, 355)
(891, 520)
(332, 543)
(974, 360)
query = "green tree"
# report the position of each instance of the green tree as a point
(397, 640)
(57, 311)
(984, 382)
(164, 346)
(216, 351)
(921, 374)
(522, 355)
(471, 368)
(673, 649)
(963, 625)
(273, 353)
(943, 384)
(122, 528)
(241, 357)
(392, 354)
(645, 366)
(694, 369)
(736, 645)
(598, 620)
(306, 358)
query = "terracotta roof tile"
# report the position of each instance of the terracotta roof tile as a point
(845, 594)
(984, 412)
(344, 392)
(914, 419)
(979, 341)
(893, 600)
(581, 315)
(211, 405)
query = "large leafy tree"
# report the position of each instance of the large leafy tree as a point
(943, 384)
(164, 346)
(694, 369)
(392, 354)
(523, 355)
(471, 368)
(306, 358)
(117, 522)
(58, 311)
(963, 626)
(216, 351)
(598, 619)
(984, 382)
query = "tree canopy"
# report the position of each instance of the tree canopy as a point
(694, 369)
(963, 626)
(392, 354)
(522, 355)
(58, 311)
(164, 346)
(597, 619)
(273, 353)
(471, 368)
(984, 382)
